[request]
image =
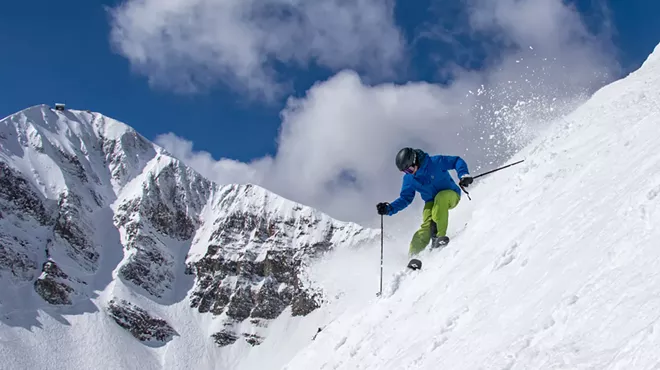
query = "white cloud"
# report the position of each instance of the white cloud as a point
(191, 44)
(222, 171)
(337, 144)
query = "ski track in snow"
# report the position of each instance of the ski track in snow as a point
(557, 268)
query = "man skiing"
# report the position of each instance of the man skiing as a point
(429, 176)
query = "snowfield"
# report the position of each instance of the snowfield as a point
(554, 264)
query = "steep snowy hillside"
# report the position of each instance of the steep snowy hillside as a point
(111, 251)
(557, 268)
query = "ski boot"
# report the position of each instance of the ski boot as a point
(415, 264)
(439, 242)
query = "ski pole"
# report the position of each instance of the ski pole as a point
(489, 172)
(497, 169)
(381, 257)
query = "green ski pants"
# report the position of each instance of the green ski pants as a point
(435, 212)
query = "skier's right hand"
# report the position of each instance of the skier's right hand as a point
(466, 180)
(383, 208)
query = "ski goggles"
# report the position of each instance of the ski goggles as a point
(409, 170)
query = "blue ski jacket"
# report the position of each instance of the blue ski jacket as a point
(431, 178)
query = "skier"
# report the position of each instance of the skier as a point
(429, 176)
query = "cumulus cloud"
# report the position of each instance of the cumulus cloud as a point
(193, 44)
(222, 171)
(337, 143)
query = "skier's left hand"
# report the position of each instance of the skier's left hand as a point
(466, 181)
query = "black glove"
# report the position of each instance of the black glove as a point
(466, 181)
(383, 208)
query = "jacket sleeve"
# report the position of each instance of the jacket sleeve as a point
(406, 196)
(450, 162)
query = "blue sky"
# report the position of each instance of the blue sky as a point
(211, 80)
(59, 51)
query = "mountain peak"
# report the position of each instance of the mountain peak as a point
(94, 214)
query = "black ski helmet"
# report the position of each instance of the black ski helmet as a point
(405, 158)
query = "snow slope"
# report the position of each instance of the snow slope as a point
(556, 269)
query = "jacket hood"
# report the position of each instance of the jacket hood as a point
(421, 156)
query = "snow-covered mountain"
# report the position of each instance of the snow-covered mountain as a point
(109, 243)
(556, 269)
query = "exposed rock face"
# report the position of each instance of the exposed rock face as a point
(51, 285)
(69, 243)
(24, 215)
(73, 226)
(173, 198)
(18, 197)
(167, 207)
(139, 323)
(253, 339)
(18, 265)
(267, 302)
(254, 266)
(228, 337)
(260, 289)
(224, 338)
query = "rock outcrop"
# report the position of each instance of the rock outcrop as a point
(139, 322)
(52, 285)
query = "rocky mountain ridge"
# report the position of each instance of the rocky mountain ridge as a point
(85, 200)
